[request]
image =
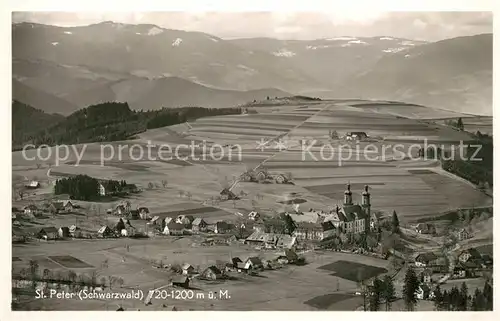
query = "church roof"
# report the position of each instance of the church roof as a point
(351, 213)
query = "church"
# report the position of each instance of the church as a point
(352, 218)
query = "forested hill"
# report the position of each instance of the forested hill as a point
(28, 121)
(109, 121)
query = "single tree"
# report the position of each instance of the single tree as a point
(376, 294)
(410, 287)
(388, 292)
(150, 185)
(164, 183)
(478, 301)
(488, 295)
(463, 298)
(438, 298)
(460, 124)
(395, 222)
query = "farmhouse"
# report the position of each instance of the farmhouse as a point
(235, 261)
(226, 194)
(356, 136)
(173, 228)
(185, 219)
(465, 270)
(31, 209)
(72, 230)
(143, 213)
(254, 263)
(212, 273)
(181, 281)
(470, 255)
(102, 190)
(33, 185)
(120, 209)
(423, 292)
(425, 228)
(425, 259)
(187, 269)
(48, 233)
(242, 267)
(104, 232)
(199, 225)
(221, 227)
(463, 234)
(253, 216)
(63, 232)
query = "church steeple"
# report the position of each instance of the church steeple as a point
(348, 195)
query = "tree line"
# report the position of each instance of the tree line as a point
(110, 121)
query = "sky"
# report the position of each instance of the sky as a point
(428, 26)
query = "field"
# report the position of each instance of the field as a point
(353, 271)
(69, 262)
(415, 188)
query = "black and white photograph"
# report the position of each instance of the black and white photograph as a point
(319, 160)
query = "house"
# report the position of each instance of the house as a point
(440, 265)
(120, 209)
(187, 269)
(134, 215)
(155, 220)
(375, 220)
(242, 267)
(63, 232)
(221, 227)
(31, 209)
(314, 231)
(56, 207)
(470, 255)
(254, 263)
(212, 273)
(105, 231)
(226, 195)
(181, 281)
(72, 230)
(48, 233)
(286, 241)
(185, 219)
(253, 216)
(463, 234)
(173, 228)
(199, 225)
(102, 190)
(33, 185)
(424, 292)
(459, 271)
(143, 213)
(426, 276)
(425, 228)
(167, 220)
(235, 261)
(356, 136)
(486, 252)
(425, 259)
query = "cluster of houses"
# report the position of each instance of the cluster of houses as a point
(219, 271)
(432, 267)
(57, 207)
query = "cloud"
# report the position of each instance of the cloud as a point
(290, 25)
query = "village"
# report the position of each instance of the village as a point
(279, 239)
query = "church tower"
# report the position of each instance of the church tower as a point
(348, 196)
(366, 201)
